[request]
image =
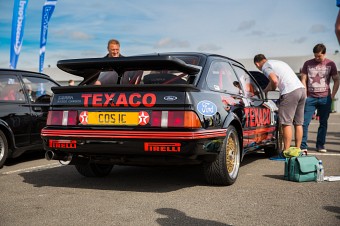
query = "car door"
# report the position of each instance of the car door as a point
(15, 112)
(259, 115)
(38, 90)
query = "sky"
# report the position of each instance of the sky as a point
(238, 29)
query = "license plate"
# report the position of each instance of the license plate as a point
(113, 118)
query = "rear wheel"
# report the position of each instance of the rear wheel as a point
(224, 170)
(94, 169)
(3, 149)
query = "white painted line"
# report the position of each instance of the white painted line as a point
(329, 123)
(48, 166)
(328, 154)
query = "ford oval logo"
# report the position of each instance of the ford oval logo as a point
(170, 98)
(206, 108)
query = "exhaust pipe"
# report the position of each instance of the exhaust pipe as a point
(66, 159)
(50, 155)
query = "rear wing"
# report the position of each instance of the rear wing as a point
(89, 66)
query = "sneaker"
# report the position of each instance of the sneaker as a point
(322, 150)
(292, 152)
(304, 151)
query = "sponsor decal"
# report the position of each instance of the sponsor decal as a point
(83, 118)
(272, 106)
(257, 117)
(62, 144)
(162, 147)
(170, 98)
(206, 108)
(119, 100)
(67, 100)
(143, 118)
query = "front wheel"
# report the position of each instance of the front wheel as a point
(224, 170)
(3, 149)
(94, 169)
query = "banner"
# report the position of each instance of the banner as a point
(18, 25)
(46, 16)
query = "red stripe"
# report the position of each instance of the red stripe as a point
(206, 134)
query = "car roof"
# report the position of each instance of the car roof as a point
(204, 54)
(23, 71)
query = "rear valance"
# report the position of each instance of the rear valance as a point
(88, 66)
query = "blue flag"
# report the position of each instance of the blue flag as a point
(46, 16)
(18, 25)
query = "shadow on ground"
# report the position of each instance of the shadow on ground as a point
(26, 157)
(176, 217)
(127, 178)
(122, 178)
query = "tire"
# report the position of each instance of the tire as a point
(224, 170)
(3, 149)
(94, 170)
(273, 151)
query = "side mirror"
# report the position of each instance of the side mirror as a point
(273, 95)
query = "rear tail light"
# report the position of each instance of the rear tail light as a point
(62, 118)
(164, 119)
(181, 119)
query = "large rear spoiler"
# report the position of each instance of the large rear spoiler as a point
(89, 66)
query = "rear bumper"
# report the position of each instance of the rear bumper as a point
(146, 144)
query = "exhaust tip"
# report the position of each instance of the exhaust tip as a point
(49, 155)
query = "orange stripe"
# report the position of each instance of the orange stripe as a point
(258, 131)
(260, 139)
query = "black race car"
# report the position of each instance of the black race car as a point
(160, 109)
(24, 103)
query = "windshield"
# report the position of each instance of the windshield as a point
(150, 76)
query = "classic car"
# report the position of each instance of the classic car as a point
(24, 103)
(160, 109)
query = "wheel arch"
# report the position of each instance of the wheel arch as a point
(9, 136)
(234, 120)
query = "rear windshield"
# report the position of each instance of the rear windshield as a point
(164, 76)
(155, 77)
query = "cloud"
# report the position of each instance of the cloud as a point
(209, 47)
(80, 35)
(318, 28)
(300, 40)
(257, 33)
(75, 35)
(246, 25)
(171, 43)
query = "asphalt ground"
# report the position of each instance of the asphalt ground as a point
(34, 191)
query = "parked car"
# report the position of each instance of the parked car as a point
(160, 109)
(24, 102)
